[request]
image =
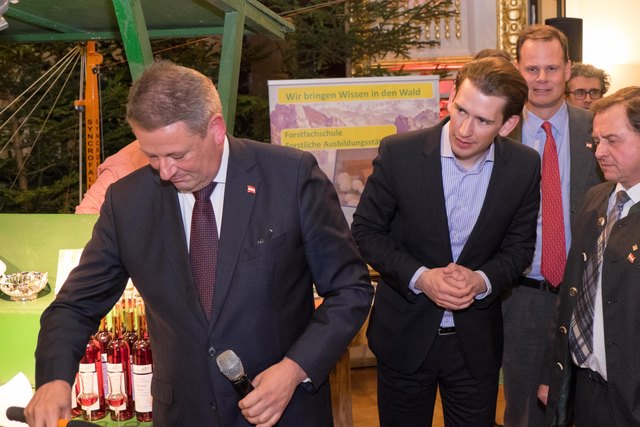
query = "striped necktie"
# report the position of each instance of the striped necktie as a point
(581, 330)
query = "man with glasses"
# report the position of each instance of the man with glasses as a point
(587, 83)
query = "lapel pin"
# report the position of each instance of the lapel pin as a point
(251, 189)
(601, 221)
(584, 256)
(635, 247)
(631, 257)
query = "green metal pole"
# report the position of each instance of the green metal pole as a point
(230, 56)
(134, 35)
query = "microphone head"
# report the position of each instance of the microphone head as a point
(230, 365)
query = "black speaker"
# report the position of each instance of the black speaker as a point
(572, 28)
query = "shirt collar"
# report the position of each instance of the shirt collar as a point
(446, 151)
(221, 177)
(558, 121)
(633, 192)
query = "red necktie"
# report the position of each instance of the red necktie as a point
(554, 253)
(203, 247)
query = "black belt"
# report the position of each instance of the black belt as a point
(595, 377)
(542, 285)
(446, 331)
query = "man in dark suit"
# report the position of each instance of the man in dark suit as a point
(567, 172)
(448, 220)
(281, 232)
(594, 338)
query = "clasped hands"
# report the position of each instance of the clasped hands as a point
(453, 287)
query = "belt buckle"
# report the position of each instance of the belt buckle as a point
(547, 286)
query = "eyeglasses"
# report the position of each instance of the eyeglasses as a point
(581, 94)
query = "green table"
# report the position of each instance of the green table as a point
(30, 242)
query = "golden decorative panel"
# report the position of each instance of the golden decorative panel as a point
(512, 18)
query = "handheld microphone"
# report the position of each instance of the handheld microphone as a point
(231, 367)
(16, 413)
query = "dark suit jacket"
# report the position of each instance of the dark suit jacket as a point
(401, 225)
(585, 172)
(274, 243)
(620, 296)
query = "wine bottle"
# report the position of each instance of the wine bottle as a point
(119, 373)
(91, 391)
(142, 371)
(129, 333)
(103, 337)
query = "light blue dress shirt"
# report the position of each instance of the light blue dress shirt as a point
(535, 137)
(464, 192)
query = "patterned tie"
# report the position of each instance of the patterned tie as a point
(554, 254)
(581, 333)
(203, 249)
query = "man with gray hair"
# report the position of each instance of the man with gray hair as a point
(594, 337)
(224, 239)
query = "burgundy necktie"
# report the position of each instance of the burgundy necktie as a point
(203, 248)
(554, 254)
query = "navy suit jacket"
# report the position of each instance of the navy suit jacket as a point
(401, 224)
(621, 317)
(274, 243)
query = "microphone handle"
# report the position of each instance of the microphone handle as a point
(16, 413)
(243, 386)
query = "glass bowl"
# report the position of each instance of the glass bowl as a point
(23, 286)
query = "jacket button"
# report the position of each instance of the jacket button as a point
(573, 291)
(563, 330)
(212, 352)
(559, 365)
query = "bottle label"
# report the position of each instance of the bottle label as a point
(89, 396)
(117, 387)
(114, 367)
(142, 376)
(142, 369)
(87, 367)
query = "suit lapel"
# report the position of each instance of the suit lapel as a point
(169, 222)
(497, 189)
(433, 187)
(241, 189)
(581, 156)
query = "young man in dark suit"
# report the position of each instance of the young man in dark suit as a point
(281, 230)
(594, 337)
(448, 220)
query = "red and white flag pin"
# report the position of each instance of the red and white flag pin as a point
(631, 258)
(251, 189)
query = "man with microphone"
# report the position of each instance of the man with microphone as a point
(224, 239)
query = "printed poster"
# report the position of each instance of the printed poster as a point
(341, 121)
